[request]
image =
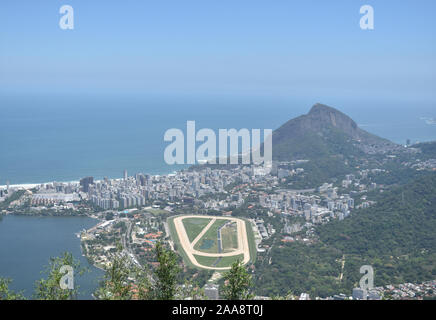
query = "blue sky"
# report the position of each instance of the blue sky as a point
(278, 47)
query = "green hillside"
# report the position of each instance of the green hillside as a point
(402, 222)
(324, 132)
(396, 236)
(428, 150)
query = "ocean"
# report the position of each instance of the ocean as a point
(65, 138)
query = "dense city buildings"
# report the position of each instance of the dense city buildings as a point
(133, 211)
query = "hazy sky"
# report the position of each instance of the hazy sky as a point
(277, 47)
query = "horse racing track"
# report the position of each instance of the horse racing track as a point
(211, 242)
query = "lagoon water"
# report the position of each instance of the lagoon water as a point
(27, 243)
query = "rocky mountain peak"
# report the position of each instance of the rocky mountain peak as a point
(322, 115)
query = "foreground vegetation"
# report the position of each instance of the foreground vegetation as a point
(124, 281)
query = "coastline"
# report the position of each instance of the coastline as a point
(90, 261)
(26, 186)
(33, 185)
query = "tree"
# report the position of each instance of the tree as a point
(6, 293)
(191, 291)
(165, 283)
(118, 281)
(237, 282)
(288, 296)
(142, 285)
(161, 285)
(51, 287)
(109, 216)
(115, 285)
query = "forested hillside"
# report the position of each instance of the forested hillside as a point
(396, 236)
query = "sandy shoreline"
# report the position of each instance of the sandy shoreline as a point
(33, 185)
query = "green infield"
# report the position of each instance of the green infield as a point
(229, 237)
(193, 226)
(218, 262)
(209, 242)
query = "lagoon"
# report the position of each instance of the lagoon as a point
(28, 242)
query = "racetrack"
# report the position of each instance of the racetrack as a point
(188, 247)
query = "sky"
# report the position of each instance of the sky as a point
(257, 47)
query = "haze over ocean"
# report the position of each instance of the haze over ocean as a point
(64, 138)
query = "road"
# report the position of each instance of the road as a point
(126, 243)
